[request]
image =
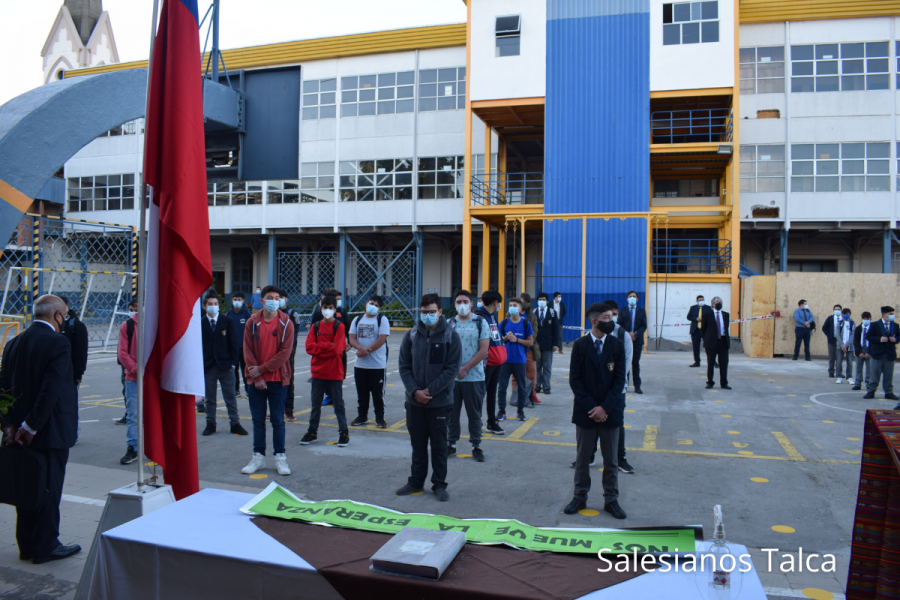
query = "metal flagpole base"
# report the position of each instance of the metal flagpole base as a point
(122, 505)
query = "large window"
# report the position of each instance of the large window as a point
(442, 89)
(319, 97)
(690, 23)
(686, 188)
(853, 167)
(382, 94)
(283, 192)
(441, 177)
(509, 35)
(129, 128)
(317, 182)
(365, 180)
(238, 193)
(101, 192)
(840, 67)
(762, 70)
(762, 168)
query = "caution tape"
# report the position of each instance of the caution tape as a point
(761, 318)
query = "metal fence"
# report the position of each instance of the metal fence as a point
(686, 126)
(691, 256)
(507, 188)
(304, 276)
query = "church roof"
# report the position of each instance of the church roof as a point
(85, 14)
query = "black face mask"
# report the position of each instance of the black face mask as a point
(718, 306)
(606, 326)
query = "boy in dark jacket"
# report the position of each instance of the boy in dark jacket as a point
(239, 314)
(430, 354)
(326, 343)
(220, 350)
(491, 302)
(597, 377)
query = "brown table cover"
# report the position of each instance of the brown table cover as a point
(477, 572)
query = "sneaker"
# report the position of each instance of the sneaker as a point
(577, 503)
(327, 400)
(529, 405)
(869, 396)
(201, 409)
(495, 429)
(308, 439)
(536, 401)
(210, 429)
(130, 456)
(614, 509)
(501, 416)
(856, 388)
(478, 454)
(237, 429)
(442, 494)
(594, 461)
(521, 417)
(281, 465)
(360, 422)
(451, 450)
(891, 397)
(289, 416)
(839, 380)
(851, 381)
(122, 421)
(573, 464)
(381, 423)
(343, 439)
(256, 463)
(407, 489)
(625, 467)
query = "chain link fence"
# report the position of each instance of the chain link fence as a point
(304, 276)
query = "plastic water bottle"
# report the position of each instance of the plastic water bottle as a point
(720, 576)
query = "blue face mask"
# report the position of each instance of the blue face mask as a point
(615, 319)
(837, 313)
(212, 310)
(429, 320)
(513, 310)
(281, 302)
(338, 303)
(237, 304)
(480, 304)
(271, 305)
(866, 322)
(632, 301)
(542, 303)
(371, 310)
(845, 317)
(890, 318)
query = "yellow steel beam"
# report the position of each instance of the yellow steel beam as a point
(467, 188)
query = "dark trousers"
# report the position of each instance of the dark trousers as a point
(37, 531)
(720, 352)
(696, 340)
(271, 398)
(471, 395)
(289, 394)
(801, 335)
(370, 382)
(516, 370)
(491, 379)
(586, 441)
(427, 426)
(320, 387)
(242, 367)
(212, 376)
(636, 365)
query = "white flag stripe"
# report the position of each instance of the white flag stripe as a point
(151, 278)
(182, 368)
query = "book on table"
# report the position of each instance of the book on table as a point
(415, 552)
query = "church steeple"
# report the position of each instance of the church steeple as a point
(85, 14)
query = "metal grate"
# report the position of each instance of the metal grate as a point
(305, 276)
(389, 273)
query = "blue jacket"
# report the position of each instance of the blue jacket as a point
(238, 321)
(801, 315)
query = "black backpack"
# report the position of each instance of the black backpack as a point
(129, 333)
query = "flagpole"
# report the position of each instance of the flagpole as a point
(142, 255)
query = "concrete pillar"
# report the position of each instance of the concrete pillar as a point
(783, 255)
(272, 258)
(342, 269)
(886, 251)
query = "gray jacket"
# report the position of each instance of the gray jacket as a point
(432, 364)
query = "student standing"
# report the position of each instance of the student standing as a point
(239, 314)
(845, 347)
(883, 337)
(294, 316)
(468, 389)
(430, 355)
(597, 378)
(341, 315)
(634, 320)
(832, 330)
(803, 326)
(326, 343)
(560, 307)
(368, 335)
(547, 339)
(491, 303)
(220, 350)
(126, 352)
(256, 301)
(861, 350)
(694, 317)
(268, 340)
(518, 336)
(717, 341)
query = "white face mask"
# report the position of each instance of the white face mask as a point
(257, 291)
(701, 302)
(462, 309)
(806, 307)
(339, 303)
(237, 304)
(132, 314)
(327, 313)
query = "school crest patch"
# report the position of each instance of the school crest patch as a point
(611, 366)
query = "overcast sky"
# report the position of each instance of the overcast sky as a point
(25, 24)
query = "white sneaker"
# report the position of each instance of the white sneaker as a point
(281, 464)
(839, 380)
(851, 381)
(258, 462)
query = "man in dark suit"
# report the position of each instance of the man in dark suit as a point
(37, 372)
(633, 319)
(220, 358)
(694, 316)
(716, 340)
(883, 337)
(597, 377)
(560, 307)
(546, 336)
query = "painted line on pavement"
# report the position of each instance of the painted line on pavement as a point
(814, 396)
(788, 447)
(523, 429)
(83, 500)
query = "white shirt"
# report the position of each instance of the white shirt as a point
(212, 322)
(595, 338)
(556, 306)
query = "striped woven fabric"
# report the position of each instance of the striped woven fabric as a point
(875, 554)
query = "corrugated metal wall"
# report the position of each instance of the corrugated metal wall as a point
(597, 147)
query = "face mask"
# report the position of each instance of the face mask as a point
(806, 307)
(257, 291)
(513, 310)
(481, 305)
(132, 314)
(557, 300)
(339, 303)
(327, 313)
(212, 310)
(718, 306)
(890, 317)
(542, 303)
(845, 317)
(615, 319)
(606, 326)
(371, 310)
(632, 301)
(237, 304)
(866, 322)
(271, 305)
(701, 302)
(837, 313)
(430, 320)
(462, 309)
(281, 302)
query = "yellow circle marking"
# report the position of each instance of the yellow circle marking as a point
(759, 479)
(629, 410)
(627, 426)
(779, 387)
(817, 594)
(734, 432)
(792, 395)
(600, 469)
(783, 529)
(854, 439)
(150, 464)
(588, 512)
(258, 476)
(415, 493)
(722, 401)
(392, 385)
(629, 396)
(551, 433)
(726, 416)
(330, 443)
(828, 421)
(713, 391)
(745, 452)
(806, 406)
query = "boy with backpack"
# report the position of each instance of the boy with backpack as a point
(475, 337)
(518, 335)
(326, 343)
(368, 335)
(491, 302)
(126, 352)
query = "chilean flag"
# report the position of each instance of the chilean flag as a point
(178, 268)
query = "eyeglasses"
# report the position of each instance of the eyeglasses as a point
(428, 312)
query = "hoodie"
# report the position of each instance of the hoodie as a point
(497, 349)
(127, 352)
(325, 347)
(239, 319)
(277, 363)
(433, 363)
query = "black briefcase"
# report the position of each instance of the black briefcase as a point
(23, 477)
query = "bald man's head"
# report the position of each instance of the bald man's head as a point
(47, 307)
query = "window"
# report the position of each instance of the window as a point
(317, 182)
(762, 70)
(441, 177)
(382, 94)
(848, 167)
(101, 192)
(478, 163)
(319, 97)
(690, 23)
(813, 266)
(129, 128)
(509, 34)
(283, 192)
(686, 188)
(442, 89)
(237, 193)
(897, 54)
(839, 67)
(365, 180)
(762, 168)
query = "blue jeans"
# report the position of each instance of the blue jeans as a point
(131, 433)
(516, 370)
(273, 398)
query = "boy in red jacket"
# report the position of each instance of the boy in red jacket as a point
(325, 343)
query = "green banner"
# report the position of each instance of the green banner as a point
(277, 502)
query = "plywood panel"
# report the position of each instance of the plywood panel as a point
(857, 291)
(762, 333)
(746, 308)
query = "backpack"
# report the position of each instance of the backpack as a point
(129, 334)
(379, 317)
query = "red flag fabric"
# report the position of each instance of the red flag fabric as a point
(178, 268)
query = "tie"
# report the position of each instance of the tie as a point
(865, 341)
(542, 315)
(598, 346)
(719, 323)
(632, 319)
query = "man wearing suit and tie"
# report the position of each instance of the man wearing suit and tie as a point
(883, 337)
(547, 337)
(694, 316)
(597, 377)
(717, 341)
(220, 358)
(37, 372)
(861, 349)
(634, 320)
